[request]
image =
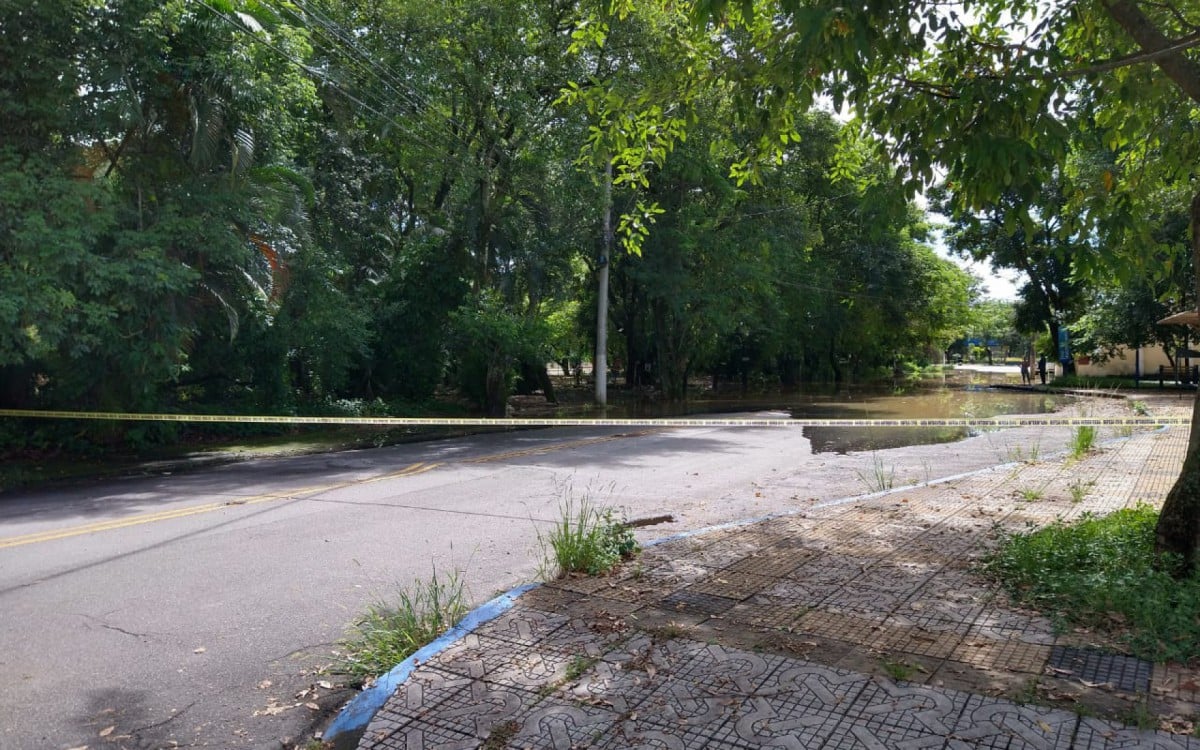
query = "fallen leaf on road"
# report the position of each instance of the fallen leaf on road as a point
(1045, 727)
(312, 706)
(265, 684)
(200, 650)
(325, 684)
(272, 709)
(107, 730)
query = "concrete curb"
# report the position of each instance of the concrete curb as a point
(356, 714)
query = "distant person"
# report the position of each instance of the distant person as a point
(989, 356)
(1026, 375)
(1042, 369)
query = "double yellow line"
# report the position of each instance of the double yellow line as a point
(194, 510)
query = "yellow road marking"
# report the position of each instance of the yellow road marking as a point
(551, 448)
(168, 515)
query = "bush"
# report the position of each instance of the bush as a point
(1099, 572)
(588, 539)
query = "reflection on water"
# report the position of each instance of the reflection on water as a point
(917, 404)
(960, 394)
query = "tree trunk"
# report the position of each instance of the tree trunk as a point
(600, 369)
(1179, 523)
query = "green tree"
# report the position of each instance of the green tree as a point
(989, 96)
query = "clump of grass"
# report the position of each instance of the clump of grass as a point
(1139, 408)
(881, 476)
(1099, 572)
(389, 633)
(1079, 490)
(900, 671)
(587, 539)
(1031, 494)
(1082, 440)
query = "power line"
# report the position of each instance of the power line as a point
(314, 73)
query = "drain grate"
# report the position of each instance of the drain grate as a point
(698, 603)
(1099, 667)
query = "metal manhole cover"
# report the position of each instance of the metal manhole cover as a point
(1098, 667)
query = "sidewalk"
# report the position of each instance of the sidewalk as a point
(853, 625)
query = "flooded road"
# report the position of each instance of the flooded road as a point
(918, 403)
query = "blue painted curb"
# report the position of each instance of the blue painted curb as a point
(356, 714)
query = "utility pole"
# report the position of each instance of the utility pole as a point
(600, 361)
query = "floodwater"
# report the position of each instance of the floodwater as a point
(919, 403)
(963, 393)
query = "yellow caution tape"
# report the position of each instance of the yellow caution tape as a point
(1005, 421)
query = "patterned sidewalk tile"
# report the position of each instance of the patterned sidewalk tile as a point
(892, 715)
(502, 663)
(556, 724)
(1095, 734)
(993, 723)
(732, 584)
(522, 625)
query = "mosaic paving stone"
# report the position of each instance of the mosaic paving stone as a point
(476, 712)
(761, 615)
(777, 560)
(678, 573)
(642, 733)
(797, 593)
(559, 725)
(820, 687)
(992, 723)
(1176, 681)
(503, 663)
(417, 698)
(782, 721)
(522, 625)
(687, 705)
(1009, 656)
(1006, 625)
(578, 637)
(732, 584)
(728, 671)
(420, 736)
(1096, 734)
(889, 714)
(938, 645)
(687, 601)
(832, 569)
(611, 685)
(904, 578)
(1118, 670)
(868, 600)
(850, 628)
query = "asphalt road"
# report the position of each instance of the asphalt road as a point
(198, 609)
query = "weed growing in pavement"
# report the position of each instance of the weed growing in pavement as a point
(578, 665)
(1139, 408)
(498, 738)
(881, 477)
(1140, 715)
(1031, 494)
(389, 633)
(1099, 572)
(1079, 490)
(1083, 439)
(897, 670)
(587, 539)
(1019, 454)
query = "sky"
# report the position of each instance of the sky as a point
(1002, 285)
